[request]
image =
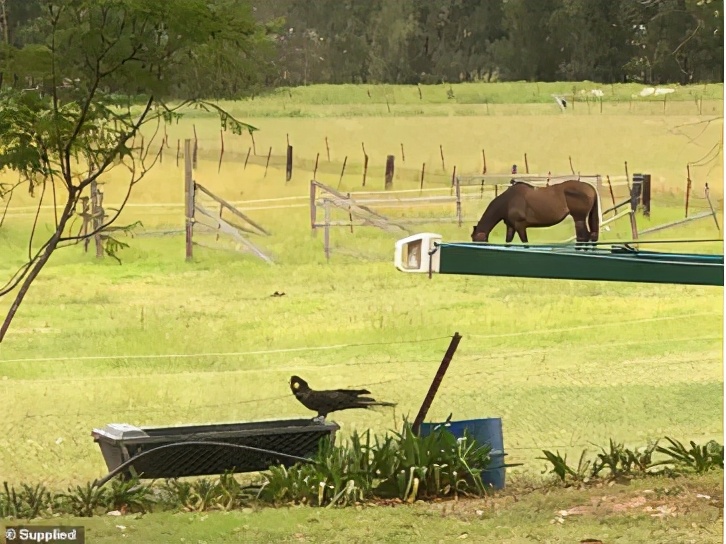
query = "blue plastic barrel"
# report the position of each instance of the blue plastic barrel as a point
(484, 431)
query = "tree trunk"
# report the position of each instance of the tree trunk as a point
(37, 267)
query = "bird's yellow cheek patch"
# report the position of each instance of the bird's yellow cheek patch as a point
(296, 386)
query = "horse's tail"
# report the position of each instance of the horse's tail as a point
(594, 219)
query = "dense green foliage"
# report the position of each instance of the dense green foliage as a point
(404, 41)
(427, 41)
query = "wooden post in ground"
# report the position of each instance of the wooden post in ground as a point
(645, 195)
(612, 194)
(221, 150)
(688, 186)
(342, 171)
(710, 205)
(365, 163)
(633, 225)
(438, 378)
(627, 176)
(484, 162)
(457, 186)
(423, 173)
(97, 215)
(269, 154)
(526, 164)
(86, 221)
(313, 207)
(350, 215)
(389, 171)
(196, 148)
(188, 197)
(326, 231)
(288, 168)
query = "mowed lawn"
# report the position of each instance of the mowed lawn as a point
(157, 341)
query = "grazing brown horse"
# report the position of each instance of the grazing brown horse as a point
(522, 206)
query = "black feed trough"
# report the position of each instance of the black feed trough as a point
(200, 450)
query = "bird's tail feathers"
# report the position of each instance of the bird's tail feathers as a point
(368, 402)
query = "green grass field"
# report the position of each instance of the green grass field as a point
(158, 341)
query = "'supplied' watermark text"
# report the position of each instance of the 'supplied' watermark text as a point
(18, 534)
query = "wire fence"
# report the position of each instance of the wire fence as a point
(547, 399)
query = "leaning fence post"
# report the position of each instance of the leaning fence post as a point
(710, 205)
(633, 225)
(438, 378)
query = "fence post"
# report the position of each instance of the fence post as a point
(645, 196)
(97, 215)
(188, 197)
(313, 208)
(438, 378)
(196, 147)
(267, 164)
(627, 176)
(688, 186)
(633, 225)
(389, 171)
(326, 232)
(288, 169)
(636, 192)
(458, 199)
(612, 194)
(710, 205)
(365, 163)
(342, 171)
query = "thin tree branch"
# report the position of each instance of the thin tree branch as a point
(35, 221)
(122, 141)
(121, 207)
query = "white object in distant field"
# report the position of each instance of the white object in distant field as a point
(412, 253)
(598, 93)
(561, 102)
(647, 91)
(663, 90)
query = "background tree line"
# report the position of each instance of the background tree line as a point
(428, 41)
(431, 41)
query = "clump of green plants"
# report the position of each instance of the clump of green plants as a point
(616, 461)
(401, 465)
(26, 502)
(698, 458)
(202, 494)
